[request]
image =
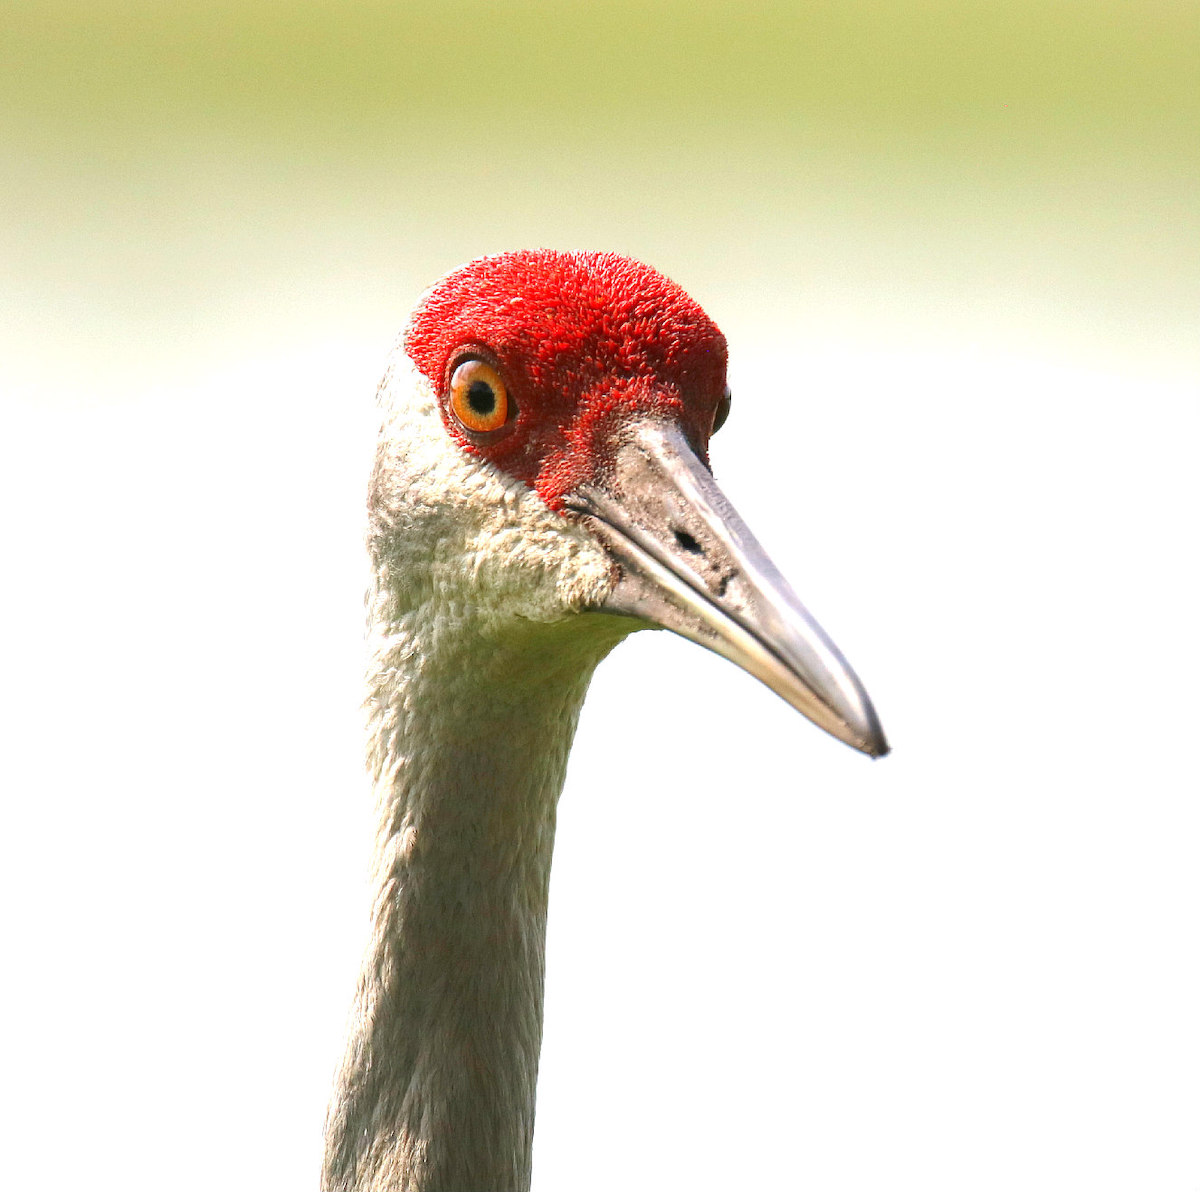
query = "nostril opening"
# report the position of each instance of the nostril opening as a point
(688, 543)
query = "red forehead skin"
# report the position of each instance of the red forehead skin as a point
(585, 342)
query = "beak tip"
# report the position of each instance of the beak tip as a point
(877, 744)
(860, 725)
(854, 718)
(873, 743)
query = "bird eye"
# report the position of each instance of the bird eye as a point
(722, 411)
(478, 396)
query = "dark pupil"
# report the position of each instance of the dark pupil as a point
(480, 398)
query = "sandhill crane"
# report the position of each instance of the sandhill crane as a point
(541, 489)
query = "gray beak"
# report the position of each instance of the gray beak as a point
(688, 563)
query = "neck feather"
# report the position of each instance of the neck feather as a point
(471, 727)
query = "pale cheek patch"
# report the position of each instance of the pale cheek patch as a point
(492, 541)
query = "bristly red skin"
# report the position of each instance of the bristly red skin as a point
(583, 341)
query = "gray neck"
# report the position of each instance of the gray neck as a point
(471, 731)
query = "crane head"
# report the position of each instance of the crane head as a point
(545, 447)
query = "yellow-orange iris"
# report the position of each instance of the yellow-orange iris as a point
(478, 396)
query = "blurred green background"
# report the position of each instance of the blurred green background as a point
(955, 248)
(1018, 162)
